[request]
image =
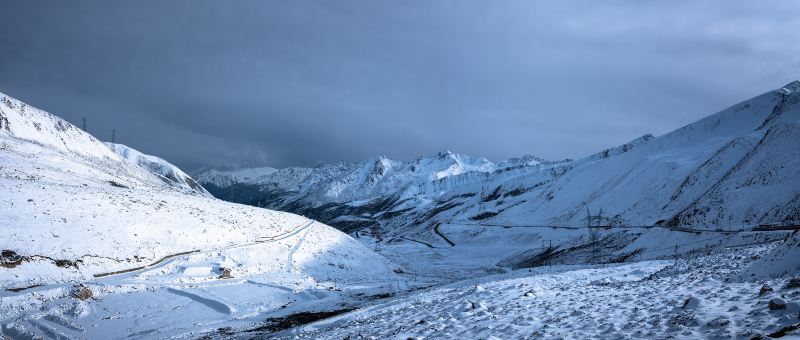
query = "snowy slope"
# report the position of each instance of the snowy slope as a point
(227, 178)
(74, 211)
(39, 146)
(694, 298)
(159, 167)
(734, 169)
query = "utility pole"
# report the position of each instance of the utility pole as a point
(84, 124)
(113, 135)
(676, 254)
(600, 216)
(592, 235)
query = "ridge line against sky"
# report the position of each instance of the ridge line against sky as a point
(257, 83)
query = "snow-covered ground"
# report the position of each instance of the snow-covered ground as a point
(159, 167)
(159, 256)
(698, 296)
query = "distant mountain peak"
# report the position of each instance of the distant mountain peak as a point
(791, 87)
(445, 154)
(706, 164)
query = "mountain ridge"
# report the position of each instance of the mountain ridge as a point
(645, 181)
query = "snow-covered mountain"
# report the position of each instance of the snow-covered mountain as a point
(139, 234)
(101, 241)
(39, 146)
(57, 179)
(168, 173)
(345, 182)
(736, 168)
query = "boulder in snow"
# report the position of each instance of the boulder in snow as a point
(777, 303)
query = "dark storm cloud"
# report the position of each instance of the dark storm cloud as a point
(292, 82)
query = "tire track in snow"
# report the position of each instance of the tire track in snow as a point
(288, 266)
(210, 303)
(172, 257)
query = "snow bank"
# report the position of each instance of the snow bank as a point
(781, 261)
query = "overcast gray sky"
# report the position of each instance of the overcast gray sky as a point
(297, 82)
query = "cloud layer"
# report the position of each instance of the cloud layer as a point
(297, 82)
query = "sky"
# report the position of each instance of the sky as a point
(285, 83)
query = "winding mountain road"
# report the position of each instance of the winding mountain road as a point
(172, 257)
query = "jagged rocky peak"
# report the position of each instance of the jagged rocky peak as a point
(446, 163)
(445, 154)
(332, 165)
(448, 157)
(792, 87)
(524, 161)
(785, 108)
(378, 166)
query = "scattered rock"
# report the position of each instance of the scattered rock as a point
(117, 184)
(691, 303)
(10, 259)
(792, 283)
(765, 289)
(65, 263)
(225, 273)
(82, 293)
(684, 319)
(294, 320)
(784, 331)
(719, 322)
(777, 303)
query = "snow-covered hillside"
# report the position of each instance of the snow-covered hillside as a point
(41, 147)
(102, 241)
(734, 169)
(159, 167)
(344, 182)
(136, 233)
(227, 178)
(691, 298)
